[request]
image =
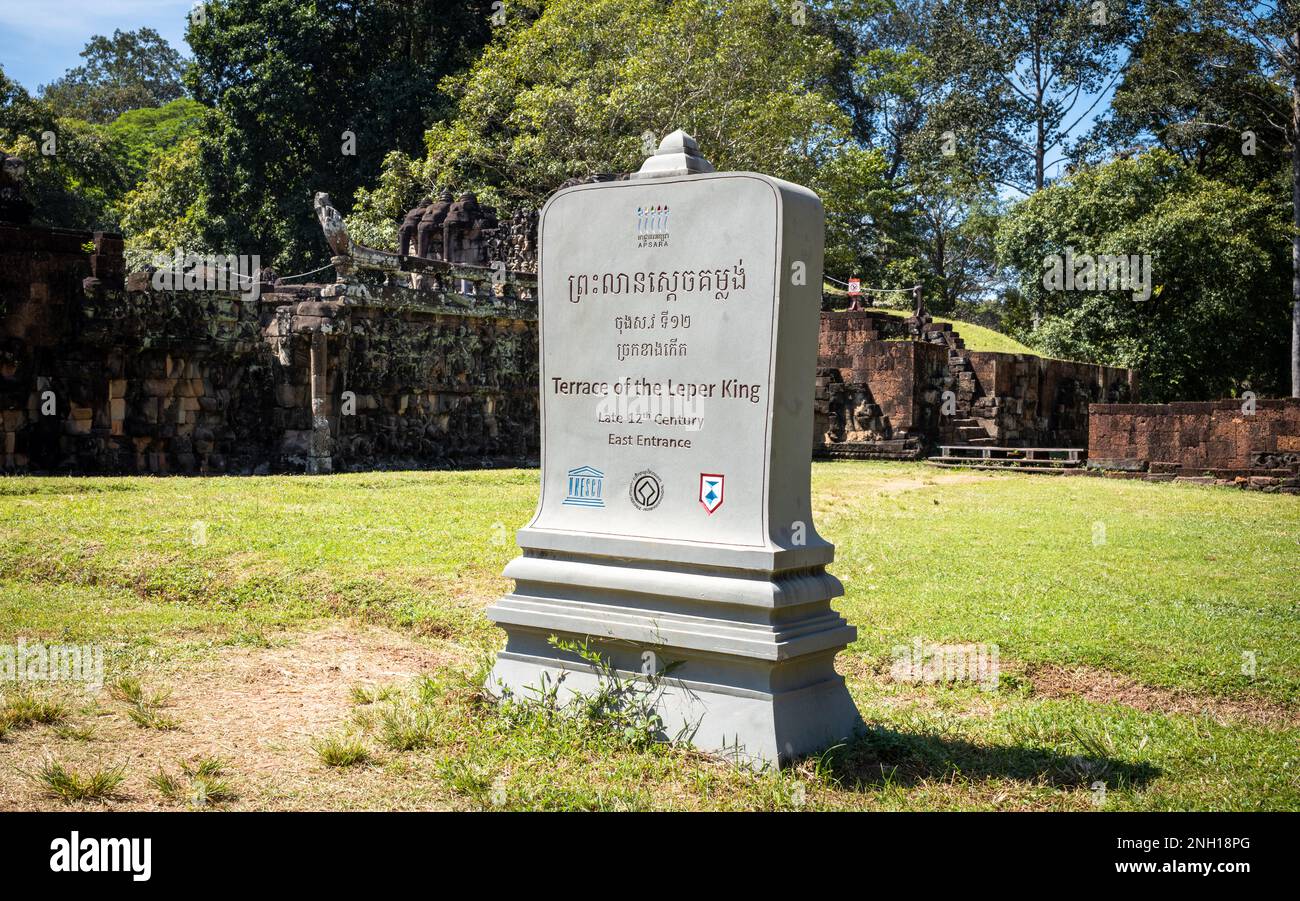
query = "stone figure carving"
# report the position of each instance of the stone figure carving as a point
(409, 233)
(13, 207)
(457, 247)
(453, 231)
(331, 223)
(430, 229)
(460, 229)
(348, 254)
(918, 305)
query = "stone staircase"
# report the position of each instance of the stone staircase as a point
(966, 425)
(970, 431)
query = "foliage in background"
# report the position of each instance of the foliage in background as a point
(130, 70)
(76, 186)
(1195, 91)
(1216, 322)
(1019, 75)
(107, 125)
(902, 81)
(284, 80)
(569, 88)
(166, 210)
(145, 133)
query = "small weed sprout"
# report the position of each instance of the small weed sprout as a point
(341, 750)
(169, 786)
(76, 733)
(625, 706)
(24, 709)
(361, 695)
(404, 726)
(201, 784)
(57, 781)
(144, 708)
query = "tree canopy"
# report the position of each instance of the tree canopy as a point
(130, 70)
(572, 88)
(1216, 320)
(75, 172)
(308, 95)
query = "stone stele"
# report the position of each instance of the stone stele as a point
(679, 313)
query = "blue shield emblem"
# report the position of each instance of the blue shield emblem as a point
(711, 491)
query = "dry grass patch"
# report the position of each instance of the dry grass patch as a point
(255, 709)
(1102, 687)
(54, 780)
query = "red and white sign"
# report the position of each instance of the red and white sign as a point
(711, 486)
(855, 287)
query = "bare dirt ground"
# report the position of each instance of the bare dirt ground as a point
(1049, 681)
(1103, 687)
(899, 485)
(257, 709)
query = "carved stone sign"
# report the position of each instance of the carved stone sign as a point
(679, 316)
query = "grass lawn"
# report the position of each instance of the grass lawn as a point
(318, 642)
(976, 337)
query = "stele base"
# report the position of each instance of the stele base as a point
(755, 676)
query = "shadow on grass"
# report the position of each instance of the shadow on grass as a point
(879, 757)
(66, 484)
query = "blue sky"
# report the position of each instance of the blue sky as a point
(40, 39)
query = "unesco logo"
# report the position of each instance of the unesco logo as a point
(647, 490)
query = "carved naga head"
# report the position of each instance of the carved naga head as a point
(331, 223)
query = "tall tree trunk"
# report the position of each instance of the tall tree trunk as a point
(1040, 148)
(1295, 237)
(1040, 155)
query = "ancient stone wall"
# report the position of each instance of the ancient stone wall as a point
(435, 388)
(878, 398)
(103, 374)
(1210, 438)
(1034, 401)
(882, 382)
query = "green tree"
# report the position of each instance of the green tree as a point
(572, 88)
(1273, 31)
(166, 209)
(1214, 323)
(1218, 83)
(130, 70)
(20, 113)
(145, 133)
(897, 90)
(1196, 89)
(1019, 76)
(956, 221)
(309, 95)
(74, 173)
